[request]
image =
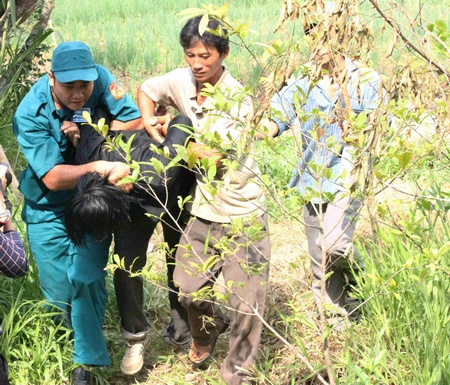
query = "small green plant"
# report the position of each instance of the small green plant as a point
(405, 287)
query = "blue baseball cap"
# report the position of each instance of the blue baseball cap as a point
(73, 61)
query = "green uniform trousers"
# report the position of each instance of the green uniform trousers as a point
(73, 279)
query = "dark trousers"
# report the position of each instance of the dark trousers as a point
(245, 269)
(3, 370)
(131, 244)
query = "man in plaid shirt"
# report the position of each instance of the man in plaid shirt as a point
(13, 260)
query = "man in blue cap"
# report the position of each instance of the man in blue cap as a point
(72, 278)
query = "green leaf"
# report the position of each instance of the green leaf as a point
(404, 158)
(182, 202)
(212, 171)
(392, 284)
(222, 11)
(379, 357)
(192, 160)
(205, 247)
(203, 25)
(424, 204)
(87, 117)
(443, 251)
(209, 263)
(157, 164)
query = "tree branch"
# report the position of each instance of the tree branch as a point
(408, 42)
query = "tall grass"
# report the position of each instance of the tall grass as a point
(422, 13)
(139, 38)
(38, 350)
(406, 286)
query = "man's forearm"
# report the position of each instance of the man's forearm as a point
(65, 176)
(146, 105)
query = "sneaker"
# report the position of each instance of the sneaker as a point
(133, 359)
(82, 376)
(339, 323)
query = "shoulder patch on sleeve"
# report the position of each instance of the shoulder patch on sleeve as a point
(117, 91)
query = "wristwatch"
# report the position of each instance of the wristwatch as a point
(153, 121)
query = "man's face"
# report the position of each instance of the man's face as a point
(321, 52)
(205, 63)
(71, 96)
(322, 56)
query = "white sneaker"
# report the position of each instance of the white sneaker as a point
(133, 359)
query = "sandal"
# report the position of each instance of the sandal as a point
(204, 357)
(208, 349)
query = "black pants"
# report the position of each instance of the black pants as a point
(131, 244)
(3, 371)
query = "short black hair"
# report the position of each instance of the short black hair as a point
(96, 209)
(215, 36)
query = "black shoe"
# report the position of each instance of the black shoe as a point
(174, 338)
(82, 376)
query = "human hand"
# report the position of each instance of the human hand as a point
(202, 151)
(157, 125)
(3, 172)
(5, 205)
(116, 172)
(267, 128)
(5, 214)
(72, 132)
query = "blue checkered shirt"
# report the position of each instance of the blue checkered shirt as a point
(13, 260)
(300, 99)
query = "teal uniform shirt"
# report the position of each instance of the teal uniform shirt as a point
(72, 278)
(37, 125)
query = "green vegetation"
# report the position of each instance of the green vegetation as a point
(407, 308)
(404, 234)
(139, 39)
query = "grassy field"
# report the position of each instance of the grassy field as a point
(404, 338)
(139, 38)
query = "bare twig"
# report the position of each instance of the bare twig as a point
(408, 42)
